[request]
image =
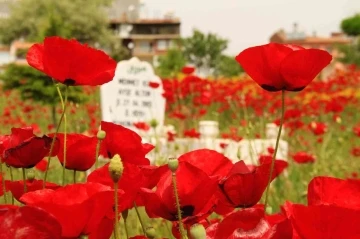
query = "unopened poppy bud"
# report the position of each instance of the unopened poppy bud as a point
(197, 231)
(30, 175)
(269, 210)
(153, 123)
(125, 214)
(116, 168)
(101, 134)
(150, 232)
(173, 164)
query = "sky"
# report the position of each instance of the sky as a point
(248, 23)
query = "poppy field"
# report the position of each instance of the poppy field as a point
(53, 184)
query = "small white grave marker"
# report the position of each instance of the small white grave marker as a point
(128, 98)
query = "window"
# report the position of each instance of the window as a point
(162, 45)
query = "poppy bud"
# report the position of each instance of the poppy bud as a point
(173, 164)
(197, 231)
(154, 123)
(101, 135)
(116, 168)
(30, 175)
(150, 232)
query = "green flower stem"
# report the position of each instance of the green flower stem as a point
(24, 179)
(276, 147)
(125, 226)
(12, 180)
(3, 182)
(97, 153)
(116, 227)
(141, 221)
(56, 132)
(181, 226)
(65, 130)
(74, 176)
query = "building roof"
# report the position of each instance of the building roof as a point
(300, 37)
(147, 21)
(119, 8)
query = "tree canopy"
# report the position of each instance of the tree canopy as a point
(171, 63)
(35, 19)
(204, 50)
(351, 25)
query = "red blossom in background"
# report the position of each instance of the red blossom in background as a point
(142, 126)
(318, 128)
(277, 67)
(71, 62)
(192, 133)
(154, 85)
(303, 157)
(187, 70)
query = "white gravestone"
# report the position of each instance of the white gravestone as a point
(129, 99)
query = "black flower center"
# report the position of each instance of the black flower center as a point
(69, 82)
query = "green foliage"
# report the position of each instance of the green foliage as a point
(36, 86)
(118, 51)
(35, 19)
(171, 63)
(227, 66)
(204, 50)
(351, 53)
(351, 25)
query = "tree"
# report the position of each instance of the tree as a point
(227, 66)
(351, 25)
(351, 53)
(35, 19)
(35, 85)
(171, 63)
(203, 50)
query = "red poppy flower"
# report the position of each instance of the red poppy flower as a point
(29, 223)
(130, 182)
(277, 67)
(142, 126)
(71, 62)
(192, 133)
(154, 85)
(355, 151)
(318, 128)
(244, 186)
(125, 142)
(80, 151)
(356, 130)
(17, 187)
(209, 161)
(79, 208)
(188, 70)
(303, 157)
(195, 190)
(42, 165)
(251, 223)
(323, 221)
(24, 150)
(334, 191)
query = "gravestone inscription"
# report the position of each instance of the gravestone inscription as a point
(129, 99)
